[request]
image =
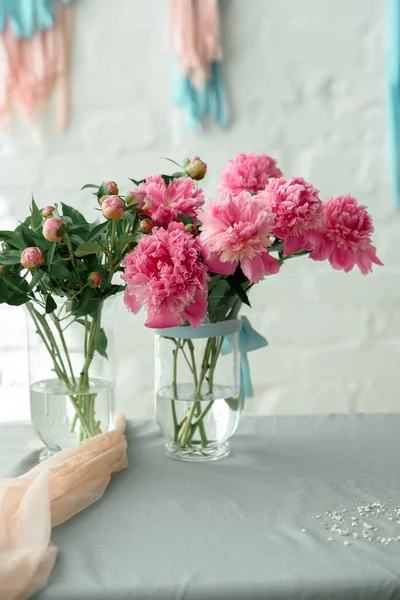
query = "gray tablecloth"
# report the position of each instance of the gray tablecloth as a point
(244, 527)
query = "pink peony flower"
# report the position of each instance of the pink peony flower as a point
(53, 229)
(113, 208)
(167, 273)
(345, 236)
(195, 168)
(168, 201)
(32, 257)
(48, 212)
(248, 172)
(238, 229)
(297, 209)
(94, 279)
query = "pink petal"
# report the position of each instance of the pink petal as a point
(271, 265)
(342, 259)
(196, 312)
(216, 265)
(163, 318)
(253, 268)
(372, 255)
(131, 302)
(322, 247)
(293, 243)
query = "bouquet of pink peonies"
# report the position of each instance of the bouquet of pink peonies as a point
(191, 264)
(196, 262)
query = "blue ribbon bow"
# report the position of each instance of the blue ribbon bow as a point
(249, 340)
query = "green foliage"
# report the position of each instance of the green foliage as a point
(85, 248)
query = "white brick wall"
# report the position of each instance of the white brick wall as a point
(306, 83)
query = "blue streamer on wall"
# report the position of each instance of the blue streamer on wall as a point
(393, 72)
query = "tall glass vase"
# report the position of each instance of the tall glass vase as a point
(70, 374)
(197, 389)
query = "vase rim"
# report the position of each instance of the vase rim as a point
(206, 330)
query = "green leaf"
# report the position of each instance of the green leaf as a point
(36, 216)
(113, 289)
(89, 185)
(17, 299)
(13, 238)
(50, 255)
(97, 231)
(34, 238)
(36, 277)
(76, 239)
(102, 191)
(87, 304)
(233, 402)
(122, 243)
(172, 161)
(137, 182)
(79, 228)
(50, 304)
(185, 219)
(236, 287)
(88, 248)
(5, 292)
(10, 257)
(72, 213)
(59, 271)
(101, 344)
(214, 280)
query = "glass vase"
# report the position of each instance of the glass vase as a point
(197, 389)
(70, 374)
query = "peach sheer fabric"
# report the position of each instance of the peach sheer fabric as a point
(195, 35)
(45, 497)
(30, 68)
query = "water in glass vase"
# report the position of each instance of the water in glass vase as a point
(197, 427)
(62, 418)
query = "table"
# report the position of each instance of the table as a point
(243, 527)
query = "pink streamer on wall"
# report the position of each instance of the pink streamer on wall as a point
(195, 30)
(30, 69)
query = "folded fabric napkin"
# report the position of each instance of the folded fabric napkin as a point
(45, 497)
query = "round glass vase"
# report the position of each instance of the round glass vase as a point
(197, 389)
(70, 374)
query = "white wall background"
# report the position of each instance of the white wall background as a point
(306, 83)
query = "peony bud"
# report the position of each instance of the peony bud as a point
(53, 229)
(138, 198)
(101, 200)
(113, 208)
(2, 271)
(195, 168)
(31, 258)
(112, 187)
(48, 212)
(94, 279)
(191, 228)
(146, 225)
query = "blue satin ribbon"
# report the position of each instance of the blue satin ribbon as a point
(249, 340)
(28, 16)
